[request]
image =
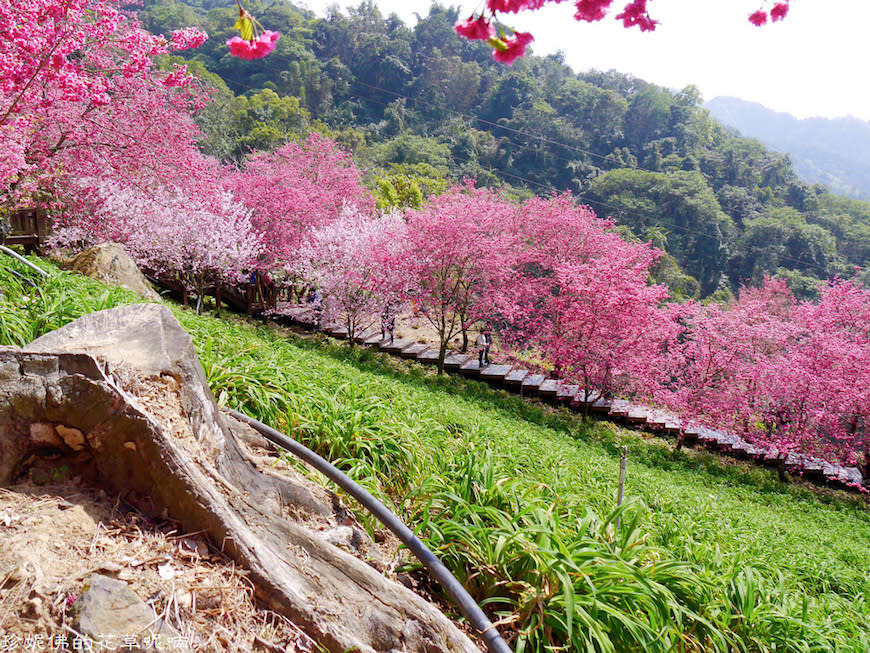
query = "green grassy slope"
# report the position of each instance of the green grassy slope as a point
(518, 499)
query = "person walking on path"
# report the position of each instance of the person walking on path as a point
(388, 323)
(483, 342)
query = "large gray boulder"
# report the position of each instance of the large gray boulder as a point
(110, 263)
(124, 390)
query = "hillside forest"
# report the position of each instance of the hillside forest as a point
(421, 108)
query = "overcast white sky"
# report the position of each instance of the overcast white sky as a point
(814, 63)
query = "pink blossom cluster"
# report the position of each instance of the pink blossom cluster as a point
(256, 48)
(67, 73)
(193, 240)
(777, 13)
(187, 38)
(341, 259)
(295, 189)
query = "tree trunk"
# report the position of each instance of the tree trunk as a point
(442, 351)
(123, 392)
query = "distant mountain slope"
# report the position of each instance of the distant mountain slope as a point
(833, 152)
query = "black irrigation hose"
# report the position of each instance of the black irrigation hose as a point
(467, 605)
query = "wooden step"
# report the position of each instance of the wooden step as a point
(455, 361)
(394, 347)
(495, 373)
(531, 384)
(470, 368)
(567, 392)
(548, 389)
(414, 350)
(430, 356)
(515, 378)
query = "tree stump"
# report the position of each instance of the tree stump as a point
(123, 391)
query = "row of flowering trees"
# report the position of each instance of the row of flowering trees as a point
(563, 289)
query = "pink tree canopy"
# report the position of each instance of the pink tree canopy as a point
(791, 377)
(195, 241)
(579, 299)
(456, 252)
(62, 75)
(341, 259)
(296, 189)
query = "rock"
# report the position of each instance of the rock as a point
(129, 381)
(110, 613)
(110, 263)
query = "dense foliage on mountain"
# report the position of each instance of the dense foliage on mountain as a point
(421, 108)
(835, 151)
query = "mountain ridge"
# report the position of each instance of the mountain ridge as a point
(831, 151)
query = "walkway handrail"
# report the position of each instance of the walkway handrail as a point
(467, 605)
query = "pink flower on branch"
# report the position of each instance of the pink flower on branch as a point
(634, 14)
(779, 11)
(253, 41)
(509, 50)
(187, 38)
(475, 29)
(758, 18)
(256, 49)
(591, 10)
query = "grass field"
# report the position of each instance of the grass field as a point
(518, 499)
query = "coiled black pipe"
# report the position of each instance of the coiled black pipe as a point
(467, 605)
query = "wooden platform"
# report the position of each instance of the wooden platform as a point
(430, 355)
(532, 383)
(515, 378)
(394, 347)
(548, 389)
(455, 361)
(567, 392)
(414, 350)
(496, 374)
(470, 368)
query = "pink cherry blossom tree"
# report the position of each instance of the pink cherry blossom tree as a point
(579, 297)
(194, 241)
(296, 189)
(715, 371)
(62, 66)
(341, 259)
(790, 377)
(456, 252)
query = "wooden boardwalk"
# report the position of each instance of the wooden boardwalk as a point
(530, 384)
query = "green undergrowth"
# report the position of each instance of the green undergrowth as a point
(518, 499)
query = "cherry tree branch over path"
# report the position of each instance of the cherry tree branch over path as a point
(487, 25)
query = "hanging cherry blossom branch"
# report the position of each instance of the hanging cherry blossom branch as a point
(254, 41)
(508, 49)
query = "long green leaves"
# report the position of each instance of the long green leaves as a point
(518, 502)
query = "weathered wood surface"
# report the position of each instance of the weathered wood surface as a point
(395, 346)
(414, 350)
(548, 388)
(430, 355)
(455, 361)
(471, 368)
(516, 377)
(123, 392)
(532, 382)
